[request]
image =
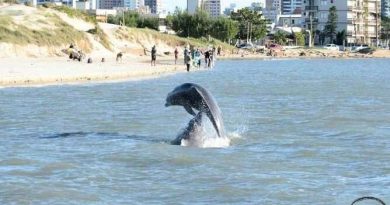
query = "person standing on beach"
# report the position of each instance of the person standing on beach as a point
(154, 55)
(207, 58)
(197, 58)
(186, 53)
(176, 55)
(187, 60)
(219, 50)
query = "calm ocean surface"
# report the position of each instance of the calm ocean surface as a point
(302, 132)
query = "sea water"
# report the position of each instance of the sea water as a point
(301, 132)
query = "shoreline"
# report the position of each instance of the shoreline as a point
(31, 72)
(36, 72)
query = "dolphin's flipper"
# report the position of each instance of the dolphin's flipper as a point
(189, 110)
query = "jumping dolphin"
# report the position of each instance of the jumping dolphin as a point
(190, 95)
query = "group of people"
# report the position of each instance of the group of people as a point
(193, 57)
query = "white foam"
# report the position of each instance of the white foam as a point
(207, 142)
(210, 139)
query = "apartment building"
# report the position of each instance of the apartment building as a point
(291, 6)
(155, 6)
(133, 4)
(212, 7)
(386, 8)
(359, 18)
(193, 6)
(273, 5)
(110, 4)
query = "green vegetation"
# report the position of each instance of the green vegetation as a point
(9, 1)
(134, 34)
(331, 25)
(224, 29)
(340, 37)
(385, 34)
(251, 24)
(133, 19)
(75, 13)
(299, 38)
(21, 35)
(5, 20)
(201, 25)
(243, 24)
(280, 37)
(103, 38)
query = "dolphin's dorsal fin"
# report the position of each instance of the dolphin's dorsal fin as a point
(189, 110)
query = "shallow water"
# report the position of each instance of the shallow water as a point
(302, 131)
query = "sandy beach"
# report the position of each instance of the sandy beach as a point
(24, 71)
(16, 72)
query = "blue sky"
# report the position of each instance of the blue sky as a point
(170, 5)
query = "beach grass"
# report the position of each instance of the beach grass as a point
(103, 38)
(61, 34)
(74, 13)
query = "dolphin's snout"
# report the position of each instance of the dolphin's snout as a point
(167, 104)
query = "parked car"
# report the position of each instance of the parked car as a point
(358, 48)
(332, 47)
(367, 50)
(246, 46)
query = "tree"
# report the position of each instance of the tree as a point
(133, 19)
(251, 24)
(224, 29)
(299, 38)
(201, 24)
(385, 34)
(148, 22)
(331, 25)
(280, 37)
(340, 37)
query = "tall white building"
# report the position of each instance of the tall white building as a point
(212, 7)
(359, 18)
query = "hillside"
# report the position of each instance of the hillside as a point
(45, 32)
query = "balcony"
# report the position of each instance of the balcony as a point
(313, 20)
(361, 33)
(355, 8)
(311, 8)
(363, 22)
